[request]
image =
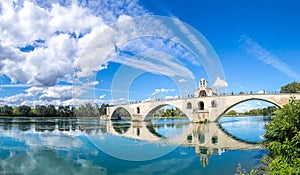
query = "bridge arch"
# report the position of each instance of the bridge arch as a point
(245, 100)
(120, 113)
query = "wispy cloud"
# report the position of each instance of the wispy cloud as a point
(14, 85)
(157, 63)
(159, 94)
(254, 49)
(201, 48)
(192, 38)
(163, 90)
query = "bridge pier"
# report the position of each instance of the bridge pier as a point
(137, 117)
(200, 116)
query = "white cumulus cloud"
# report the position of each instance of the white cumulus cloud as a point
(42, 40)
(219, 83)
(182, 80)
(53, 36)
(102, 96)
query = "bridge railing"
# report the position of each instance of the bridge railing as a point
(261, 92)
(250, 93)
(238, 93)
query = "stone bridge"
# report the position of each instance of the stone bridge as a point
(198, 109)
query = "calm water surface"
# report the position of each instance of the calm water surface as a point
(166, 146)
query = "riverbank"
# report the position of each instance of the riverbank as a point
(244, 115)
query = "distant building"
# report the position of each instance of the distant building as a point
(203, 90)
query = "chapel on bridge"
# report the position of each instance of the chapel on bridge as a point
(203, 90)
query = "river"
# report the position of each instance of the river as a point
(164, 146)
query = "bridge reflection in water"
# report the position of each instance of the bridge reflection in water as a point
(206, 139)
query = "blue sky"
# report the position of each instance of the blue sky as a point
(47, 47)
(271, 24)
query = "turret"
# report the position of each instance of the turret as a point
(203, 90)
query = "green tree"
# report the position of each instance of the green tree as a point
(87, 111)
(253, 112)
(6, 110)
(269, 111)
(51, 110)
(102, 110)
(172, 113)
(62, 111)
(231, 113)
(41, 110)
(293, 87)
(169, 113)
(282, 138)
(178, 113)
(66, 111)
(24, 110)
(159, 113)
(15, 111)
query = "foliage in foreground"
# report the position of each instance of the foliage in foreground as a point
(282, 139)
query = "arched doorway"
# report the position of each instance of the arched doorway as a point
(201, 105)
(189, 105)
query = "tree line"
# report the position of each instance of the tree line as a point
(293, 87)
(169, 113)
(87, 110)
(268, 111)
